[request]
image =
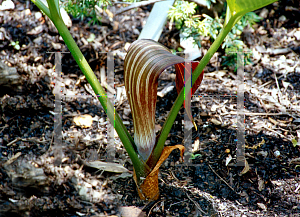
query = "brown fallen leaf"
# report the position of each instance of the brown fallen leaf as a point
(107, 166)
(84, 121)
(36, 30)
(131, 211)
(246, 168)
(149, 188)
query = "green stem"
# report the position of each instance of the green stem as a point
(92, 79)
(42, 7)
(179, 101)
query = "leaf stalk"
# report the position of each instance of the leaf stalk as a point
(180, 99)
(53, 13)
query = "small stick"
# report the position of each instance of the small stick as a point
(269, 82)
(14, 141)
(152, 206)
(12, 159)
(222, 179)
(196, 204)
(273, 131)
(263, 104)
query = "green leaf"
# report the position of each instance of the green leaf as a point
(295, 142)
(241, 7)
(91, 37)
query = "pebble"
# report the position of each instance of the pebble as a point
(27, 12)
(38, 15)
(7, 5)
(297, 35)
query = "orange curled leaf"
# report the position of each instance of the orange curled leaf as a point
(149, 188)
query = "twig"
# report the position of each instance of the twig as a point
(176, 203)
(196, 204)
(269, 82)
(294, 161)
(279, 92)
(104, 83)
(3, 128)
(152, 206)
(26, 140)
(12, 159)
(14, 141)
(263, 104)
(222, 179)
(126, 3)
(34, 140)
(273, 131)
(255, 113)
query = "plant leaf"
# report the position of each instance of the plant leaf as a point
(243, 6)
(143, 64)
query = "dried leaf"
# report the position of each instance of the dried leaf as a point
(196, 146)
(262, 206)
(215, 121)
(107, 166)
(132, 211)
(84, 121)
(149, 188)
(261, 184)
(246, 168)
(228, 159)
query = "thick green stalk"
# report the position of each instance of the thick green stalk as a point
(125, 137)
(42, 7)
(179, 101)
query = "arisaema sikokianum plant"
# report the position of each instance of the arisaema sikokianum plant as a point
(142, 68)
(144, 62)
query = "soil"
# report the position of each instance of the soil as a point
(39, 177)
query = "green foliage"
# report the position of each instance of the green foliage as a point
(194, 156)
(182, 13)
(85, 8)
(233, 38)
(230, 60)
(295, 142)
(15, 44)
(233, 42)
